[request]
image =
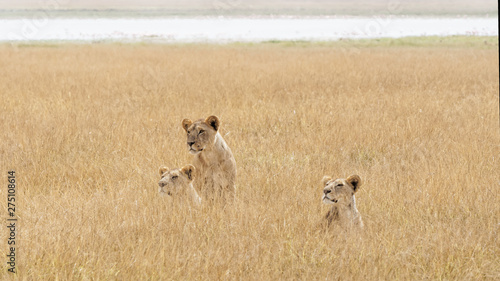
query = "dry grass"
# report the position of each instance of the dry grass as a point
(87, 126)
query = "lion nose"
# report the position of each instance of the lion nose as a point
(326, 191)
(161, 184)
(190, 143)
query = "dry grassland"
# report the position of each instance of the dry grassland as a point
(86, 127)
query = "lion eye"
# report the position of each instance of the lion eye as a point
(174, 177)
(201, 132)
(340, 184)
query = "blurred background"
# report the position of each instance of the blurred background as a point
(254, 7)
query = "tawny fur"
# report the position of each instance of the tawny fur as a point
(213, 159)
(178, 183)
(340, 194)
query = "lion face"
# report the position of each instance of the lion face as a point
(200, 134)
(176, 181)
(340, 191)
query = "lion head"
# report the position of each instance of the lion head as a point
(175, 182)
(201, 133)
(340, 191)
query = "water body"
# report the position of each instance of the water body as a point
(250, 29)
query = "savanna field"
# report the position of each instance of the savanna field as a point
(86, 127)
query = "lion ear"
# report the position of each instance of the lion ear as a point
(188, 170)
(355, 181)
(213, 122)
(186, 123)
(325, 180)
(162, 170)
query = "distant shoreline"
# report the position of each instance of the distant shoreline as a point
(481, 42)
(241, 29)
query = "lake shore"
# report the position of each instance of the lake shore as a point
(480, 42)
(242, 29)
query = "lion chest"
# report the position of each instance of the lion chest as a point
(344, 216)
(213, 177)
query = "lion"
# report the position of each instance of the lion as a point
(340, 194)
(213, 159)
(178, 183)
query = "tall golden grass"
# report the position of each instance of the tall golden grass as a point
(86, 127)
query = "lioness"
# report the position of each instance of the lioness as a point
(178, 183)
(213, 159)
(340, 194)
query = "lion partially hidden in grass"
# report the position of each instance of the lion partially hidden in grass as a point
(340, 194)
(213, 159)
(178, 183)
